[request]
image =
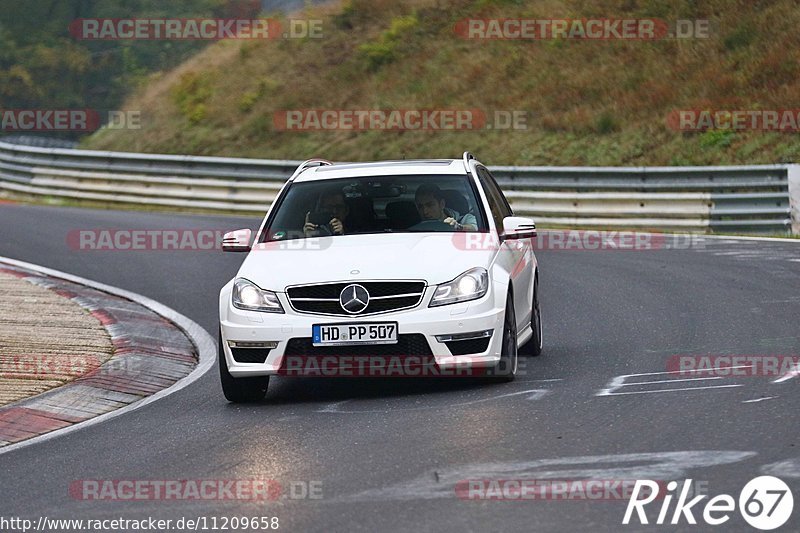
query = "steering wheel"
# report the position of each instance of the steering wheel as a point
(431, 225)
(325, 230)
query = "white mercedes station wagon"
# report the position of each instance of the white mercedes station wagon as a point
(391, 268)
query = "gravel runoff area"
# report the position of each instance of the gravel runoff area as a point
(46, 340)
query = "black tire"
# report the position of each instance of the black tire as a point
(506, 368)
(534, 346)
(240, 390)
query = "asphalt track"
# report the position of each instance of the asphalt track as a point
(388, 453)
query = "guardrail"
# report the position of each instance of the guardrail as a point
(764, 198)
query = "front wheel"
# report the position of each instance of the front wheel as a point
(534, 346)
(506, 368)
(240, 390)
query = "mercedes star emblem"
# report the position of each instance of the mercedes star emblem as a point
(354, 298)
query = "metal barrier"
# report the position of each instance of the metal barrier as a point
(755, 199)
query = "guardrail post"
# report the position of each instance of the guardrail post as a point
(794, 196)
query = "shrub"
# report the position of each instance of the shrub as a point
(385, 49)
(606, 123)
(716, 138)
(190, 95)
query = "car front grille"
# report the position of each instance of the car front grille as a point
(384, 296)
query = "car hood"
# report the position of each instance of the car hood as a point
(433, 257)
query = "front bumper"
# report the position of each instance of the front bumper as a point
(479, 315)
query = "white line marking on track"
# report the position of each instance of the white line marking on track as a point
(657, 465)
(618, 382)
(789, 375)
(670, 380)
(756, 400)
(669, 390)
(788, 468)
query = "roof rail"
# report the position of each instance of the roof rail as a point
(316, 162)
(467, 157)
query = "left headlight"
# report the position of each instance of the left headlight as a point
(470, 285)
(250, 297)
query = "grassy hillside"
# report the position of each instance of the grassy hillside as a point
(590, 102)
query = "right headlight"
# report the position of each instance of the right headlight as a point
(470, 285)
(250, 297)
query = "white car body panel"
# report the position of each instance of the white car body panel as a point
(277, 265)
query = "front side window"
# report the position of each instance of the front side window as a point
(376, 204)
(497, 202)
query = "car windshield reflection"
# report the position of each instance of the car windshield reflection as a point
(376, 205)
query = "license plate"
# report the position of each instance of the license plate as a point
(359, 333)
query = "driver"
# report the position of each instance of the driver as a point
(329, 202)
(431, 206)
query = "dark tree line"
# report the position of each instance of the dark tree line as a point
(43, 66)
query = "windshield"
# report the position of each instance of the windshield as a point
(376, 204)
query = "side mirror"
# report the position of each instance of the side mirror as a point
(236, 241)
(518, 228)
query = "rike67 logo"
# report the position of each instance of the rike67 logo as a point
(765, 503)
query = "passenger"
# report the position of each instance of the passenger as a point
(431, 206)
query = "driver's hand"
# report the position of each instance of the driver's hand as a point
(453, 222)
(337, 226)
(308, 227)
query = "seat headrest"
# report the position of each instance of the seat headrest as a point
(402, 214)
(455, 201)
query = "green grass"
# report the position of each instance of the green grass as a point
(587, 103)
